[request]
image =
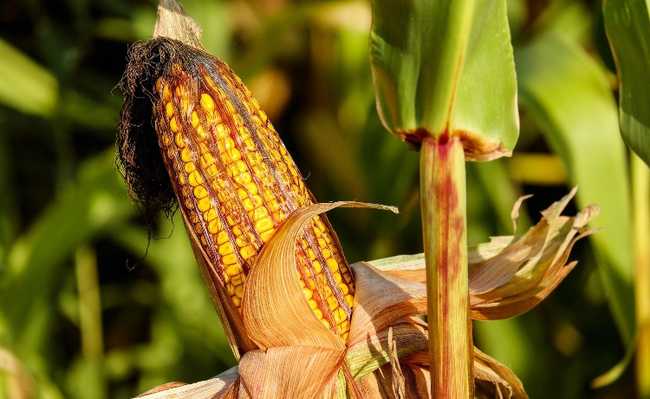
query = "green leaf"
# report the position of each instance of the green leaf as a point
(26, 86)
(567, 94)
(96, 201)
(446, 67)
(628, 28)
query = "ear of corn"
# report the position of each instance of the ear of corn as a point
(236, 183)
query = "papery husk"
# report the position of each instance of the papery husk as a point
(508, 276)
(274, 309)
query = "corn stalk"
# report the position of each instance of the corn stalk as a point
(442, 196)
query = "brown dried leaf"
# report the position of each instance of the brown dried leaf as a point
(496, 378)
(274, 310)
(289, 372)
(507, 276)
(223, 386)
(381, 300)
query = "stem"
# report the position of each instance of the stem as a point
(641, 187)
(90, 322)
(442, 200)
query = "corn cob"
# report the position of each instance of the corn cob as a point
(236, 184)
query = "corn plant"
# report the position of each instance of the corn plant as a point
(67, 229)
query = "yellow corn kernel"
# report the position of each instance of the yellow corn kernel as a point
(214, 226)
(204, 204)
(186, 155)
(200, 192)
(339, 315)
(173, 125)
(225, 249)
(169, 109)
(195, 119)
(332, 265)
(195, 177)
(247, 252)
(179, 140)
(230, 259)
(210, 215)
(264, 224)
(207, 102)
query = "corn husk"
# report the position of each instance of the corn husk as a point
(386, 352)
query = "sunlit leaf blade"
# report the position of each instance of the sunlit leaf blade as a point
(628, 29)
(486, 97)
(25, 85)
(566, 93)
(446, 66)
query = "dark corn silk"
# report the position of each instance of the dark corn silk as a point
(235, 181)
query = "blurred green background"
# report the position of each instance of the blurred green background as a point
(96, 302)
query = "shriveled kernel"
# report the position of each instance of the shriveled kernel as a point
(239, 291)
(166, 140)
(167, 94)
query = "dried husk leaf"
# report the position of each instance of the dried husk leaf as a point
(509, 276)
(381, 300)
(274, 309)
(390, 295)
(289, 372)
(223, 386)
(495, 378)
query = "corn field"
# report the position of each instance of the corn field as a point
(169, 180)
